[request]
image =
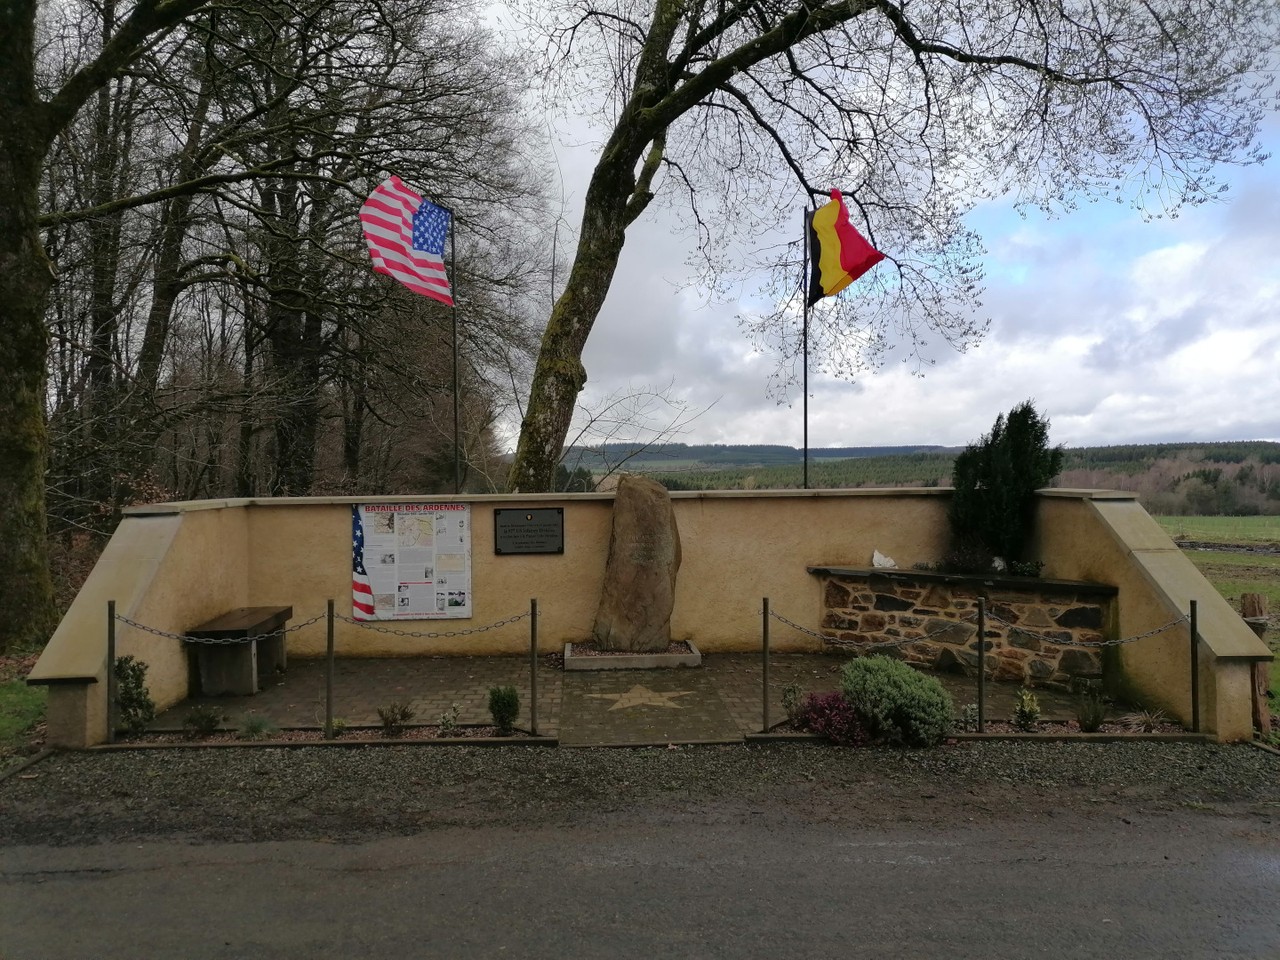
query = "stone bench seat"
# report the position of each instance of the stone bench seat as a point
(235, 650)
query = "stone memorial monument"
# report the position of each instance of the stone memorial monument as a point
(640, 576)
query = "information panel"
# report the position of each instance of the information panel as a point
(528, 531)
(411, 561)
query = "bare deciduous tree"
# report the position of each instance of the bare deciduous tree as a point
(751, 108)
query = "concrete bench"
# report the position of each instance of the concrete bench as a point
(239, 653)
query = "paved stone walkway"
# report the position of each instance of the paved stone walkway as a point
(719, 701)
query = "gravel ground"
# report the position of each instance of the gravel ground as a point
(357, 794)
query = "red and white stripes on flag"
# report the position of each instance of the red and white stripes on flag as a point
(362, 602)
(406, 236)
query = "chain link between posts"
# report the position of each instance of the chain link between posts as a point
(362, 624)
(217, 640)
(836, 642)
(466, 632)
(1088, 643)
(972, 621)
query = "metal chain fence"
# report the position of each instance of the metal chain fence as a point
(233, 640)
(972, 621)
(1087, 643)
(468, 631)
(851, 644)
(363, 624)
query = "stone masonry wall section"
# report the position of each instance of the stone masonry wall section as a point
(866, 608)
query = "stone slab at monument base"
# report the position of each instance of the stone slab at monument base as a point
(632, 661)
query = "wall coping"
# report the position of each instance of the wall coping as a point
(189, 506)
(987, 580)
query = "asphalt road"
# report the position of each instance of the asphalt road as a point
(737, 881)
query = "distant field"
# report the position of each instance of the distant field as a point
(1243, 530)
(1235, 573)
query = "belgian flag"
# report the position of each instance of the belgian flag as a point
(838, 254)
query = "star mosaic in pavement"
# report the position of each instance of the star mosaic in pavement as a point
(639, 696)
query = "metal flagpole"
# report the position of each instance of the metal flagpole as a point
(453, 275)
(804, 340)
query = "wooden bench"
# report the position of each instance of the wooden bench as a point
(242, 654)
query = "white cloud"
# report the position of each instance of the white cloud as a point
(1121, 330)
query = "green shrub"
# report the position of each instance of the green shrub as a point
(1091, 710)
(792, 695)
(504, 706)
(968, 722)
(449, 720)
(1143, 721)
(394, 716)
(895, 702)
(257, 727)
(134, 706)
(202, 720)
(992, 510)
(1026, 711)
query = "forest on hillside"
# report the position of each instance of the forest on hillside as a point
(1177, 479)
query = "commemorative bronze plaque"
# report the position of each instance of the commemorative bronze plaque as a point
(538, 530)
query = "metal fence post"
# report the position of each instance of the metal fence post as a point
(1195, 671)
(533, 666)
(764, 671)
(328, 675)
(111, 671)
(982, 664)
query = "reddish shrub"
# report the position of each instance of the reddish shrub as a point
(832, 716)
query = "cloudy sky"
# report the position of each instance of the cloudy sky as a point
(1121, 331)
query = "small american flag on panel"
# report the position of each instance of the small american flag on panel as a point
(406, 237)
(361, 588)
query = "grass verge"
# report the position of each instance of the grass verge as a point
(21, 708)
(1241, 530)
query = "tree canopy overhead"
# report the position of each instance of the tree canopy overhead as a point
(746, 109)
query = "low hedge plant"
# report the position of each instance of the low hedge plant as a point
(896, 703)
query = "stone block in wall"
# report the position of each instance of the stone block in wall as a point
(937, 596)
(1036, 617)
(950, 660)
(1024, 640)
(1040, 670)
(889, 601)
(949, 631)
(1089, 617)
(872, 622)
(836, 595)
(1010, 667)
(1005, 612)
(1080, 663)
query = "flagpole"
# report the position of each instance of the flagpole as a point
(804, 340)
(453, 274)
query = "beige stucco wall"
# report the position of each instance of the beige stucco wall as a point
(1111, 538)
(168, 571)
(172, 566)
(736, 549)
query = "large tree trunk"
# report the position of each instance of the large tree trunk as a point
(614, 200)
(26, 593)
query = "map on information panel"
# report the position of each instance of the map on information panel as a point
(411, 561)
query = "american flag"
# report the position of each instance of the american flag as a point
(361, 589)
(406, 237)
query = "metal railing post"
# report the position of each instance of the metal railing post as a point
(982, 664)
(533, 666)
(764, 669)
(1195, 671)
(328, 675)
(111, 671)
